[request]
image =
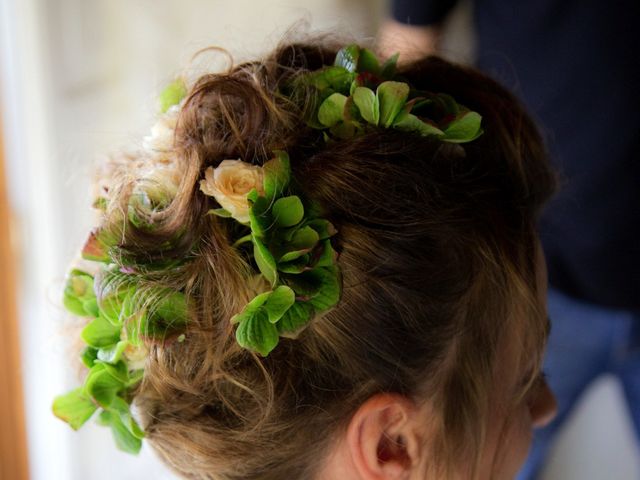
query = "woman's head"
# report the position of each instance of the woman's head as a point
(441, 324)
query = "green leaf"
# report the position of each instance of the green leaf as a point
(257, 334)
(74, 407)
(347, 57)
(259, 217)
(172, 94)
(391, 97)
(265, 261)
(251, 308)
(295, 319)
(113, 353)
(89, 356)
(287, 211)
(101, 385)
(220, 212)
(411, 123)
(464, 129)
(100, 333)
(276, 175)
(388, 69)
(279, 302)
(367, 104)
(328, 293)
(331, 111)
(368, 62)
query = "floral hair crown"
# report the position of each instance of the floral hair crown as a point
(288, 237)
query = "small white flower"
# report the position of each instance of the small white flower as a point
(163, 132)
(229, 184)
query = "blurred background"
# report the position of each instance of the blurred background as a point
(79, 78)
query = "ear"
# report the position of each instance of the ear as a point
(384, 438)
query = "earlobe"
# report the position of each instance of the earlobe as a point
(383, 438)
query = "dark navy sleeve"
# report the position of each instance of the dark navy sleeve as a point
(420, 12)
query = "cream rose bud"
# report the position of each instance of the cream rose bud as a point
(230, 182)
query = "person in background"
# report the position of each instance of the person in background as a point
(575, 66)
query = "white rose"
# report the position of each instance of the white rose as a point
(230, 183)
(163, 132)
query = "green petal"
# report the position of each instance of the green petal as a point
(332, 78)
(367, 103)
(74, 407)
(287, 211)
(331, 111)
(125, 440)
(276, 175)
(168, 317)
(90, 307)
(295, 319)
(411, 123)
(119, 371)
(368, 62)
(265, 261)
(96, 247)
(100, 333)
(258, 334)
(464, 129)
(78, 296)
(324, 227)
(251, 308)
(259, 216)
(113, 353)
(297, 265)
(388, 69)
(392, 97)
(304, 238)
(328, 255)
(172, 94)
(292, 255)
(123, 409)
(115, 301)
(344, 130)
(328, 293)
(89, 356)
(101, 386)
(279, 302)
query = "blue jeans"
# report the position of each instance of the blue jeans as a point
(586, 341)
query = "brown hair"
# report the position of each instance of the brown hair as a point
(437, 249)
